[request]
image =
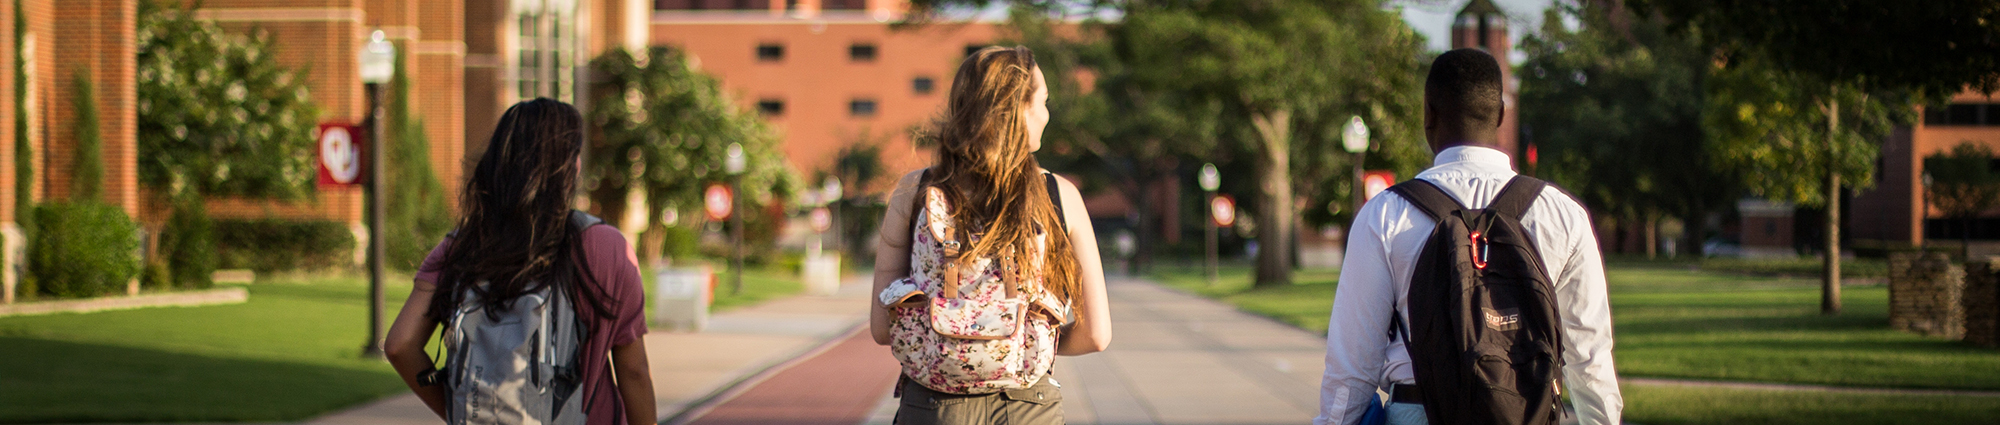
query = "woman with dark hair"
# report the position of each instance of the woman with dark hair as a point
(988, 266)
(516, 238)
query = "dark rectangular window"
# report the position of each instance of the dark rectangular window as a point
(1963, 114)
(843, 4)
(974, 48)
(771, 107)
(923, 85)
(770, 52)
(861, 108)
(861, 52)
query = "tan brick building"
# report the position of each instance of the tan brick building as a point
(464, 57)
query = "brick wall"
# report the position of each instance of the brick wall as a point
(1924, 294)
(94, 38)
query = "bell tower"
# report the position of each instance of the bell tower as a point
(1482, 25)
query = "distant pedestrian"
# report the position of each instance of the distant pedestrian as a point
(1467, 292)
(988, 266)
(541, 305)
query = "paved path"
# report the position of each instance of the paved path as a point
(692, 367)
(1176, 359)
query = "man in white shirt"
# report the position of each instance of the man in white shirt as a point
(1462, 114)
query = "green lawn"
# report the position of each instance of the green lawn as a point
(1677, 320)
(292, 352)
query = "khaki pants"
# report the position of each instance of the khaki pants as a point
(1040, 404)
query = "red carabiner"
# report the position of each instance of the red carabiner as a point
(1479, 248)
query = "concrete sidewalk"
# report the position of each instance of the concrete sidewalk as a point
(692, 367)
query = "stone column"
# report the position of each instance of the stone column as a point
(1924, 294)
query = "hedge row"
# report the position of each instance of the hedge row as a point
(271, 245)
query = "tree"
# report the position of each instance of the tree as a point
(665, 130)
(1834, 53)
(217, 116)
(1279, 75)
(1962, 184)
(417, 213)
(1615, 107)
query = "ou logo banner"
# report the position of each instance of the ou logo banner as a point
(340, 149)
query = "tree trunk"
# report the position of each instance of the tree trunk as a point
(1652, 235)
(1274, 230)
(1829, 302)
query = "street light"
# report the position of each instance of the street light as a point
(1354, 137)
(1210, 180)
(378, 65)
(734, 165)
(830, 191)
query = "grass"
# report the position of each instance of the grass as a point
(292, 352)
(1686, 320)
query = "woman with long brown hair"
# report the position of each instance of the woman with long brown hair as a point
(518, 238)
(988, 266)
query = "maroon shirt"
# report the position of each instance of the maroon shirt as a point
(616, 279)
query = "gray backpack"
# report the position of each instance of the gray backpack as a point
(518, 366)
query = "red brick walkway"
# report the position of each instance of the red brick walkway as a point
(838, 386)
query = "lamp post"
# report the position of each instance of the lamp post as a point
(378, 65)
(830, 192)
(1210, 180)
(734, 165)
(1354, 138)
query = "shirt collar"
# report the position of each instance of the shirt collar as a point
(1475, 156)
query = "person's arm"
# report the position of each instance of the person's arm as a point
(404, 345)
(635, 381)
(892, 257)
(1357, 332)
(1588, 373)
(1092, 331)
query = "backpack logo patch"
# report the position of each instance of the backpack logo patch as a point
(1503, 320)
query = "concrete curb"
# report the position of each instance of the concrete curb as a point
(224, 295)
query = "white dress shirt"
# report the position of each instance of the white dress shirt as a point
(1389, 232)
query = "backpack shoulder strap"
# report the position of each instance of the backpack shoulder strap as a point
(1055, 198)
(1427, 197)
(581, 221)
(1520, 193)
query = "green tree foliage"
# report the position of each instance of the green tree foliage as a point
(1615, 106)
(1274, 79)
(417, 215)
(87, 168)
(24, 153)
(665, 131)
(1832, 54)
(217, 114)
(1772, 128)
(1962, 183)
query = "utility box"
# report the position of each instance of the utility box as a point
(682, 297)
(822, 274)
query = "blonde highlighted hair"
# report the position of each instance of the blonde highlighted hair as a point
(987, 167)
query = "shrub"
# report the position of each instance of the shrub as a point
(86, 249)
(268, 245)
(188, 244)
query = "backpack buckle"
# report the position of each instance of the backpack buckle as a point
(1480, 246)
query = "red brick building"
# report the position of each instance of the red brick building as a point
(1893, 212)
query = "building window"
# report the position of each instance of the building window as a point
(843, 4)
(923, 85)
(974, 48)
(770, 52)
(861, 108)
(1964, 114)
(861, 52)
(545, 59)
(771, 107)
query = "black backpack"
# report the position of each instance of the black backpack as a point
(1484, 336)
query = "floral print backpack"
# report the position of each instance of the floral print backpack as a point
(969, 325)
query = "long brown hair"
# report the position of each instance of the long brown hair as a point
(515, 232)
(989, 171)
